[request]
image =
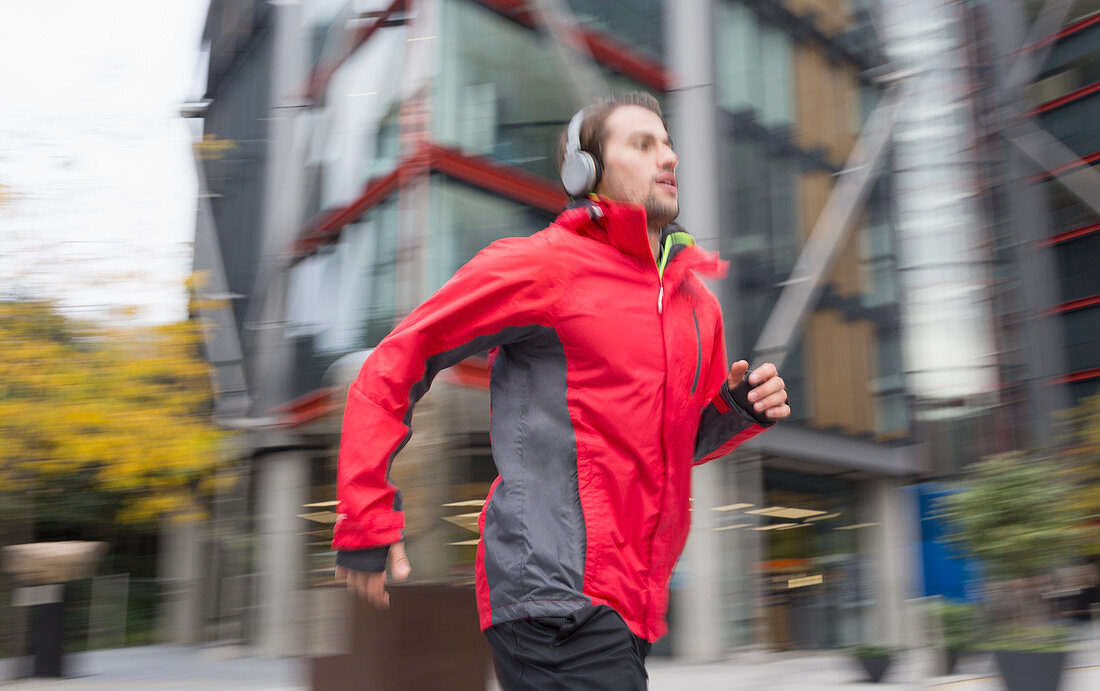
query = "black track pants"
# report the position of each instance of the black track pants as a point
(590, 649)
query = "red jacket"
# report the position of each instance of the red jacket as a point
(608, 383)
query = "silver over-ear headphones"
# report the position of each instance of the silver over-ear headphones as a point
(579, 170)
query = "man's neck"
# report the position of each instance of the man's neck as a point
(654, 240)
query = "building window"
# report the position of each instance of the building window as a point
(342, 298)
(464, 220)
(353, 136)
(754, 66)
(637, 23)
(1067, 211)
(1079, 267)
(1082, 329)
(499, 89)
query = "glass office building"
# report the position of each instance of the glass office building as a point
(1066, 101)
(435, 136)
(420, 131)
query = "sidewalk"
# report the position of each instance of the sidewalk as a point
(162, 667)
(158, 668)
(834, 670)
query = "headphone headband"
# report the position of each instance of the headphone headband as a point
(573, 135)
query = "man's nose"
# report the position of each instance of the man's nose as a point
(668, 158)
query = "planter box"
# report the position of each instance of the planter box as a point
(1028, 671)
(949, 661)
(429, 638)
(874, 667)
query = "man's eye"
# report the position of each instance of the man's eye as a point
(642, 144)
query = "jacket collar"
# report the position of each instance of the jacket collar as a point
(620, 224)
(623, 226)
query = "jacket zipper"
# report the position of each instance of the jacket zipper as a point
(659, 266)
(698, 351)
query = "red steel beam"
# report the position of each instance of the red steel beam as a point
(508, 181)
(1083, 375)
(1072, 96)
(620, 58)
(606, 50)
(1070, 235)
(1077, 304)
(1080, 162)
(332, 222)
(514, 183)
(1066, 31)
(322, 74)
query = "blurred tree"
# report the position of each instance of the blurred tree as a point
(1015, 512)
(101, 425)
(1083, 456)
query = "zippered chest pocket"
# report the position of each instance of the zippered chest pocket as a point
(698, 352)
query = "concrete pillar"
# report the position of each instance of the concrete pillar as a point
(693, 120)
(270, 354)
(745, 550)
(699, 608)
(179, 569)
(891, 546)
(282, 487)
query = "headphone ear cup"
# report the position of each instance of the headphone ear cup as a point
(579, 173)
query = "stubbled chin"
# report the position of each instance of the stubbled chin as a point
(662, 212)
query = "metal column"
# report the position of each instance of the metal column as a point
(698, 629)
(282, 476)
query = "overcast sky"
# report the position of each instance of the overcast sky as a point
(97, 190)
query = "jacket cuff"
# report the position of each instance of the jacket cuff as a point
(372, 560)
(739, 397)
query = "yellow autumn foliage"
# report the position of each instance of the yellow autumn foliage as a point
(128, 408)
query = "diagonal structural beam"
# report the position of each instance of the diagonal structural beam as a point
(805, 284)
(1029, 62)
(232, 397)
(1058, 160)
(583, 76)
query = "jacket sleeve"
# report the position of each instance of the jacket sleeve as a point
(499, 297)
(728, 420)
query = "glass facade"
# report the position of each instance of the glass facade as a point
(762, 186)
(791, 113)
(815, 580)
(499, 90)
(353, 130)
(1082, 329)
(342, 298)
(943, 234)
(1074, 65)
(636, 23)
(1067, 211)
(463, 220)
(1079, 267)
(753, 64)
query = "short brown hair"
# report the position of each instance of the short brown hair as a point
(593, 133)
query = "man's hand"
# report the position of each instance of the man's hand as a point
(768, 394)
(372, 586)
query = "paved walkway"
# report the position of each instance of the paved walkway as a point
(836, 671)
(159, 668)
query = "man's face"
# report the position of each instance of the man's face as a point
(639, 164)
